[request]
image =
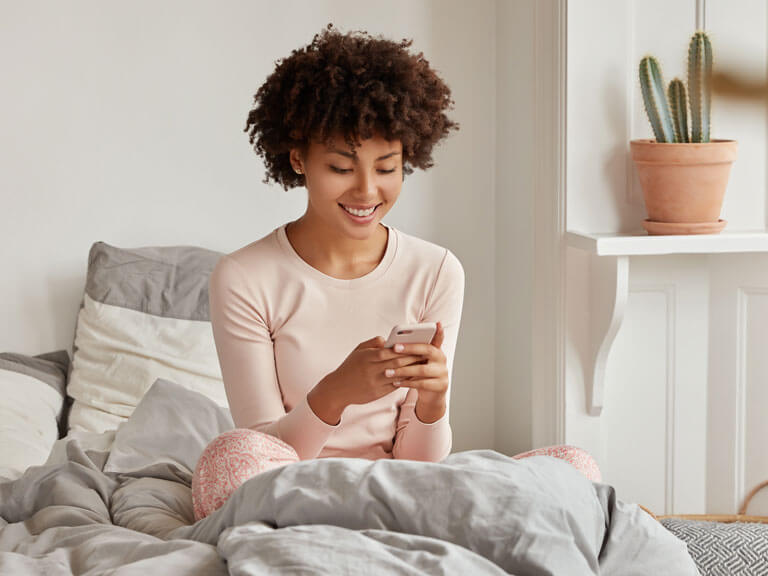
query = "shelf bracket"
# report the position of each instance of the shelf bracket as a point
(609, 279)
(608, 273)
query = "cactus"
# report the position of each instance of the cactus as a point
(677, 103)
(699, 85)
(652, 85)
(673, 126)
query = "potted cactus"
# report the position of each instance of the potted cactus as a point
(683, 174)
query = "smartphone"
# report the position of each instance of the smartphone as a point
(408, 333)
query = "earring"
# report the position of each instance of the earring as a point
(297, 170)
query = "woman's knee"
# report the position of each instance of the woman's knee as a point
(578, 457)
(229, 460)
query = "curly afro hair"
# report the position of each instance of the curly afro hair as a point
(353, 85)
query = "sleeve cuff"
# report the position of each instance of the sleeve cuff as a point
(429, 442)
(305, 431)
(319, 422)
(435, 424)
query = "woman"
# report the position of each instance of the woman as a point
(300, 315)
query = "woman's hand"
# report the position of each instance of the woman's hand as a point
(360, 379)
(430, 376)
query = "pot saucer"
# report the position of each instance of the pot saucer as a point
(671, 228)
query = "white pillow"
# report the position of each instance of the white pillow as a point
(32, 392)
(144, 316)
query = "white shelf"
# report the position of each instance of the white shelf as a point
(641, 244)
(609, 283)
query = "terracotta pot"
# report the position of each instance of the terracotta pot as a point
(683, 182)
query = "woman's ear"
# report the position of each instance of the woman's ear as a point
(297, 162)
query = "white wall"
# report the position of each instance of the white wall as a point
(515, 132)
(682, 426)
(123, 122)
(530, 220)
(461, 203)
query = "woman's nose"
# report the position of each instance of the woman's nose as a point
(367, 183)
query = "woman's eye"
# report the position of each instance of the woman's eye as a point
(347, 170)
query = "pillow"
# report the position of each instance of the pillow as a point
(167, 433)
(33, 390)
(144, 315)
(723, 548)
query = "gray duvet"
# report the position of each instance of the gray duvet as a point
(124, 507)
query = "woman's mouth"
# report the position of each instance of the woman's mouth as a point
(360, 216)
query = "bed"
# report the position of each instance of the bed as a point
(97, 456)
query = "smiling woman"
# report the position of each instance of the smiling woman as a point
(299, 316)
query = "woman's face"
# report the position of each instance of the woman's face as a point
(336, 177)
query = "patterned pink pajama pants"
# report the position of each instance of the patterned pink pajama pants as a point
(237, 455)
(579, 457)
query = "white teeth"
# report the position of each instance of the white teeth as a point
(359, 212)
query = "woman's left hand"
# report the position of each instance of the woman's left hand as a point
(430, 376)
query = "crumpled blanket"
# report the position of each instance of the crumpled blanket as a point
(125, 507)
(477, 512)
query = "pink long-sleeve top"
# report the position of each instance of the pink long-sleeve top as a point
(280, 325)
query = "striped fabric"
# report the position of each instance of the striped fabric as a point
(732, 549)
(32, 389)
(144, 316)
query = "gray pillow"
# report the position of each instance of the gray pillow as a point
(50, 367)
(733, 548)
(144, 315)
(167, 432)
(33, 390)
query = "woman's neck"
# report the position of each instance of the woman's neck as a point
(335, 254)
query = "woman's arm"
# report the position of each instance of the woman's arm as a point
(431, 441)
(246, 355)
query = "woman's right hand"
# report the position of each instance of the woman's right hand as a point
(360, 379)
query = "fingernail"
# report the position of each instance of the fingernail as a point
(398, 347)
(389, 372)
(396, 383)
